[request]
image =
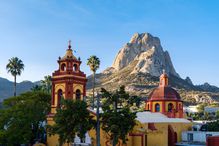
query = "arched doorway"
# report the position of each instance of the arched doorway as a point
(60, 94)
(172, 136)
(157, 107)
(78, 94)
(63, 67)
(75, 67)
(170, 107)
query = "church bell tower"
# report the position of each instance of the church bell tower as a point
(68, 82)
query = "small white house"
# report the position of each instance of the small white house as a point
(191, 109)
(197, 136)
(211, 109)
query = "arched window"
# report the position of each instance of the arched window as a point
(78, 94)
(63, 67)
(157, 107)
(75, 67)
(170, 107)
(60, 94)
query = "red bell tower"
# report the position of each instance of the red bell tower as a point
(68, 81)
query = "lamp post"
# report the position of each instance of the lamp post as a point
(98, 120)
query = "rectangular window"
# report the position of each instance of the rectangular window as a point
(190, 136)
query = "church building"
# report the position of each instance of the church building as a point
(161, 124)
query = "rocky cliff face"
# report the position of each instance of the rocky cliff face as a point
(138, 66)
(149, 54)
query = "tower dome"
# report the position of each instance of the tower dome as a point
(69, 53)
(164, 91)
(165, 99)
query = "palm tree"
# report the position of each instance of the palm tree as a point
(94, 64)
(15, 67)
(47, 84)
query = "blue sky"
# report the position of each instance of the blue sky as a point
(37, 31)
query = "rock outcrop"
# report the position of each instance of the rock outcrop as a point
(149, 54)
(139, 64)
(188, 80)
(207, 87)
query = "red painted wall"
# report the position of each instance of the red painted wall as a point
(213, 141)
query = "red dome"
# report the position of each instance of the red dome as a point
(164, 93)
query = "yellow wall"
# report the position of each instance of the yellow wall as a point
(60, 86)
(136, 141)
(53, 139)
(158, 137)
(161, 105)
(148, 106)
(180, 127)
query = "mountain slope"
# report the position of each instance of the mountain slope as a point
(138, 65)
(7, 88)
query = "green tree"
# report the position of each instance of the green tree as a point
(71, 119)
(15, 67)
(94, 63)
(36, 88)
(47, 84)
(201, 107)
(207, 116)
(116, 108)
(217, 115)
(21, 121)
(136, 103)
(213, 126)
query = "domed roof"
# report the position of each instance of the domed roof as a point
(69, 53)
(164, 91)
